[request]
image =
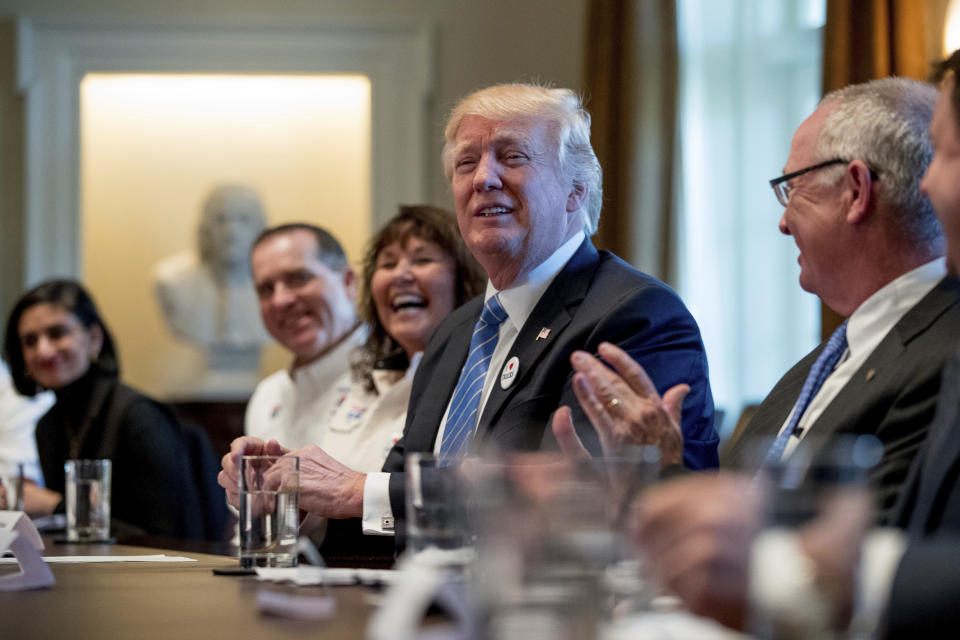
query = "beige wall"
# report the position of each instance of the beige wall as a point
(477, 43)
(152, 148)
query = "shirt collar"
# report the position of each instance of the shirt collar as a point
(519, 299)
(319, 368)
(385, 379)
(880, 312)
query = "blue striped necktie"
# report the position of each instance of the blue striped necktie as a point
(464, 407)
(819, 372)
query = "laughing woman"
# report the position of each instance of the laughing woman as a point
(416, 270)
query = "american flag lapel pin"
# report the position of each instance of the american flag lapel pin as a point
(544, 333)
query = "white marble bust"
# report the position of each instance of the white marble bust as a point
(207, 296)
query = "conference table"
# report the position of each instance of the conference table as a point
(168, 600)
(186, 600)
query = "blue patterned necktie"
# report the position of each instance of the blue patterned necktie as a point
(465, 405)
(819, 372)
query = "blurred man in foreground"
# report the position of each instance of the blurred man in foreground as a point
(872, 249)
(703, 533)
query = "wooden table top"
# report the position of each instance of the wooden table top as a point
(163, 600)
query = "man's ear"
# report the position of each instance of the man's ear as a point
(859, 181)
(350, 283)
(577, 198)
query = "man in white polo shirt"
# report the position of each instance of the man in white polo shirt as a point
(307, 295)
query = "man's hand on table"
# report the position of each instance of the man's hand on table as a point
(230, 463)
(328, 487)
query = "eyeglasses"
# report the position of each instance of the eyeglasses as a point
(782, 189)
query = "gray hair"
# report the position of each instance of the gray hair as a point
(886, 124)
(562, 106)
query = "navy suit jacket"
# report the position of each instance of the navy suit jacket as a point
(596, 297)
(926, 589)
(893, 395)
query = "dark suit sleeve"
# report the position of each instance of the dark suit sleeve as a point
(655, 328)
(397, 488)
(902, 431)
(926, 591)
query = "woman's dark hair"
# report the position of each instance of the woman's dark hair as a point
(426, 223)
(70, 296)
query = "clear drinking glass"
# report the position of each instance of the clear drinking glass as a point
(436, 502)
(88, 500)
(269, 510)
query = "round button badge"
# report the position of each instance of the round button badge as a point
(509, 373)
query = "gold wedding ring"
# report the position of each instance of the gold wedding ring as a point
(612, 403)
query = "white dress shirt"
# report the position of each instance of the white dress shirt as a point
(518, 300)
(866, 328)
(18, 420)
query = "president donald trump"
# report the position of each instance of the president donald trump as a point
(527, 191)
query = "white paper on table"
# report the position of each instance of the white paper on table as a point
(423, 578)
(52, 522)
(20, 522)
(18, 535)
(299, 607)
(668, 624)
(306, 576)
(83, 559)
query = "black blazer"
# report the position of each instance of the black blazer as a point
(926, 589)
(893, 395)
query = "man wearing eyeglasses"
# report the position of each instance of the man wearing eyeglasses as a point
(702, 533)
(872, 249)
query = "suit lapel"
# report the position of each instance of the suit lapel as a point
(885, 355)
(553, 311)
(777, 406)
(838, 413)
(744, 452)
(941, 452)
(433, 402)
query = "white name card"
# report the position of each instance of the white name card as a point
(19, 536)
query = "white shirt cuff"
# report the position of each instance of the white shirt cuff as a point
(783, 594)
(881, 555)
(377, 513)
